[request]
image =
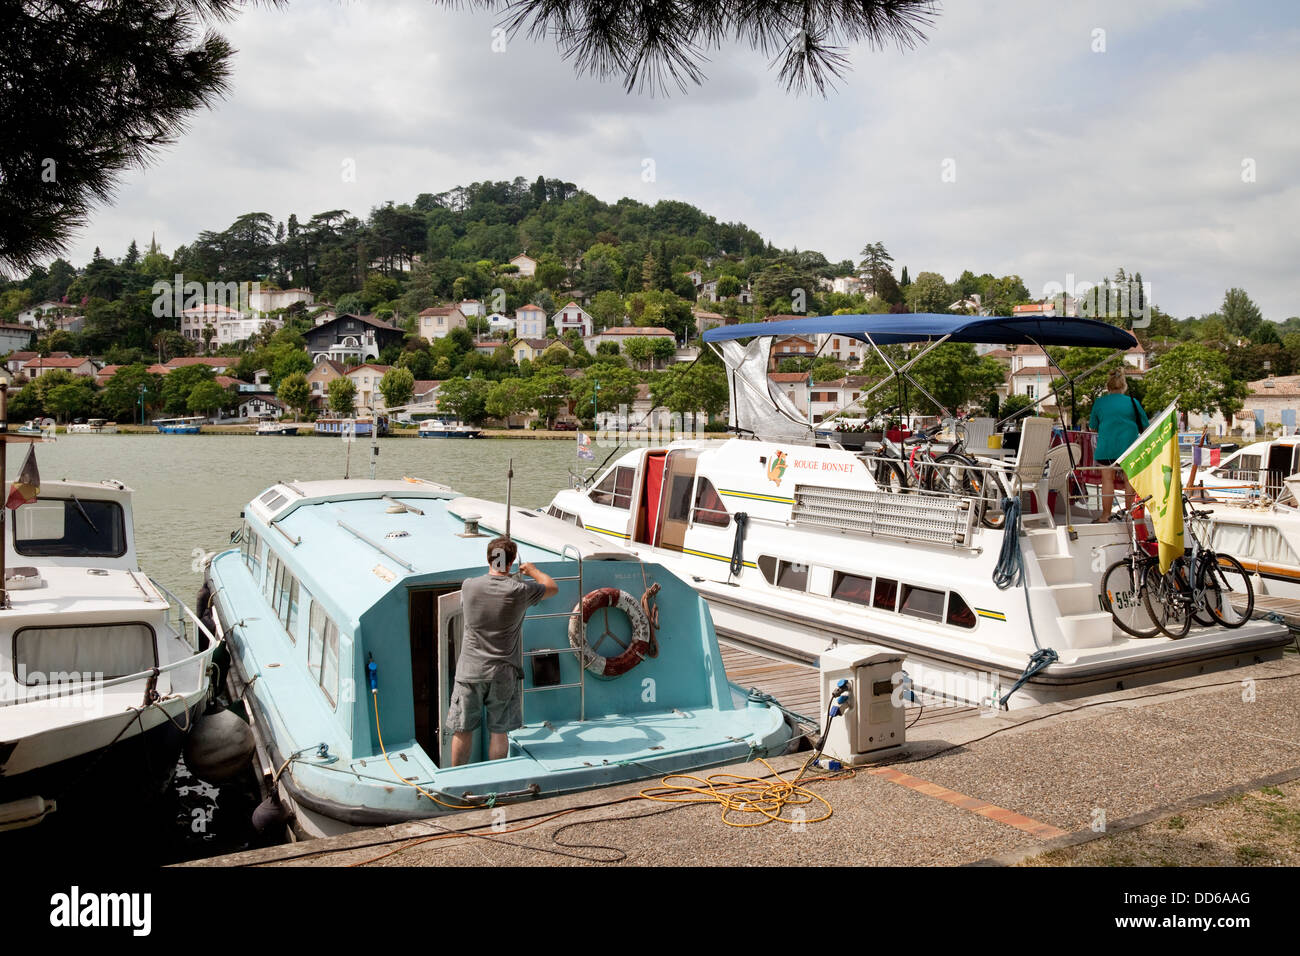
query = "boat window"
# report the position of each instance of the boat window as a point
(82, 652)
(922, 603)
(70, 528)
(851, 587)
(959, 612)
(615, 489)
(792, 575)
(323, 652)
(709, 508)
(767, 565)
(290, 615)
(679, 497)
(886, 596)
(315, 639)
(268, 496)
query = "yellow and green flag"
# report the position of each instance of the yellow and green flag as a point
(1153, 468)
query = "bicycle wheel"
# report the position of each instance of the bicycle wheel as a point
(989, 487)
(1121, 595)
(1229, 595)
(951, 474)
(1167, 602)
(1200, 613)
(890, 476)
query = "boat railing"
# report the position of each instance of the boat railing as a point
(581, 682)
(53, 691)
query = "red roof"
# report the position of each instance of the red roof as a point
(215, 361)
(377, 368)
(225, 381)
(530, 308)
(789, 376)
(440, 310)
(53, 362)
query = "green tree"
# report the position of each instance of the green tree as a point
(178, 383)
(689, 389)
(206, 398)
(728, 286)
(465, 398)
(548, 391)
(342, 397)
(1197, 379)
(637, 349)
(66, 401)
(295, 392)
(397, 386)
(875, 264)
(1240, 314)
(510, 396)
(618, 386)
(928, 292)
(120, 398)
(85, 109)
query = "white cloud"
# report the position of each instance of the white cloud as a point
(1066, 160)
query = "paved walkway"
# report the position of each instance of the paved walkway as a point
(967, 790)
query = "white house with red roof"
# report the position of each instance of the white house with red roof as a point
(77, 365)
(795, 385)
(438, 321)
(573, 318)
(530, 322)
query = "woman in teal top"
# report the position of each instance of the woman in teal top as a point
(1118, 419)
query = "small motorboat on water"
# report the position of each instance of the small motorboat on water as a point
(102, 671)
(275, 428)
(437, 428)
(37, 426)
(190, 425)
(342, 609)
(93, 426)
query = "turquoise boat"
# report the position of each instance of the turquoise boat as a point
(332, 577)
(179, 426)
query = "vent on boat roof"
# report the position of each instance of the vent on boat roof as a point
(273, 500)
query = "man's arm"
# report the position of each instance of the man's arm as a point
(542, 578)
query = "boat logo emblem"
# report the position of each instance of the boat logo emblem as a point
(776, 469)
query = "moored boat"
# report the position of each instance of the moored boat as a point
(191, 425)
(102, 671)
(798, 547)
(342, 612)
(357, 427)
(273, 428)
(93, 426)
(438, 428)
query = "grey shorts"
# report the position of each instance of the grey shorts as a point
(501, 694)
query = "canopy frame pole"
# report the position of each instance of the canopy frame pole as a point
(898, 371)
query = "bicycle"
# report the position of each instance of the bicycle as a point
(1125, 582)
(1200, 586)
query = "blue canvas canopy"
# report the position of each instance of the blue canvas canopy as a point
(929, 326)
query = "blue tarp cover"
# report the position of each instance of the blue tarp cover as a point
(925, 326)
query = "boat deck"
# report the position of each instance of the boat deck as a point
(1288, 609)
(797, 686)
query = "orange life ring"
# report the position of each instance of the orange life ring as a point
(639, 648)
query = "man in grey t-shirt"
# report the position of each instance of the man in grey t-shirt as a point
(490, 667)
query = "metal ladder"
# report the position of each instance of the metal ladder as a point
(581, 682)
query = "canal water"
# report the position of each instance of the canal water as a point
(189, 491)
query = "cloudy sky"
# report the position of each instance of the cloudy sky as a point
(1041, 139)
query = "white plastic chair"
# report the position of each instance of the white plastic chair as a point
(978, 433)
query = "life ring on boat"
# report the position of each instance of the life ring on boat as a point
(640, 646)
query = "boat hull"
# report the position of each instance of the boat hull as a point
(139, 764)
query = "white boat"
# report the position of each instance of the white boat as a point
(102, 670)
(437, 428)
(824, 555)
(1254, 472)
(274, 428)
(93, 426)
